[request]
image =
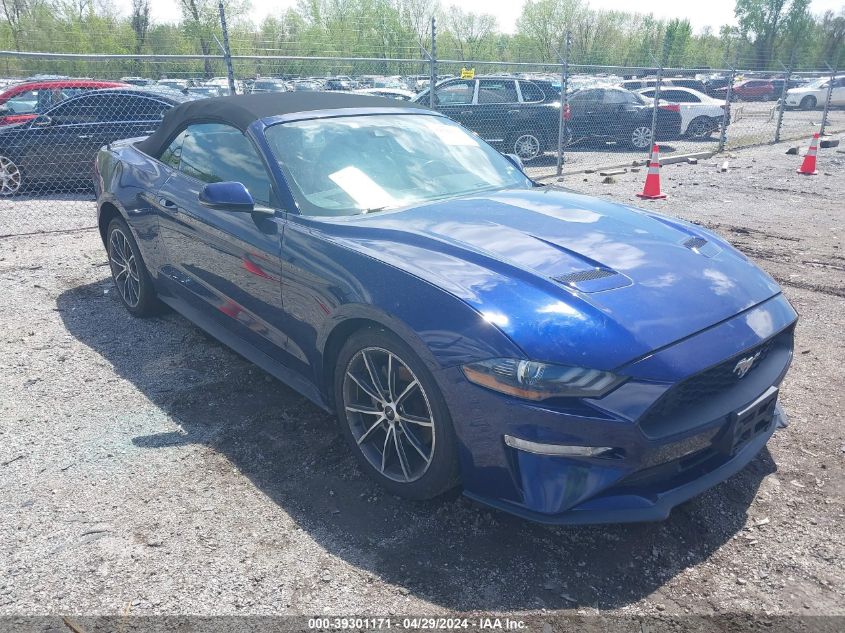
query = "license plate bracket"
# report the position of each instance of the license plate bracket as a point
(747, 423)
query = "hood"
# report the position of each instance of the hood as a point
(569, 278)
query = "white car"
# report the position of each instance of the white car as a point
(814, 94)
(701, 115)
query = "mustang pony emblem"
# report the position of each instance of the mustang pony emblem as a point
(745, 364)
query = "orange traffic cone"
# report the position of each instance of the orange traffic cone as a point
(808, 167)
(651, 191)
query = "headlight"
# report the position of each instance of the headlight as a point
(538, 381)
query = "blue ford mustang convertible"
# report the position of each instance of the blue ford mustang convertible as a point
(560, 357)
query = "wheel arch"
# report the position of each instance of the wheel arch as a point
(107, 212)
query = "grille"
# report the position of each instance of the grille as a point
(695, 242)
(706, 384)
(584, 275)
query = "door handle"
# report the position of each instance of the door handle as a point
(83, 136)
(147, 131)
(466, 111)
(168, 204)
(513, 111)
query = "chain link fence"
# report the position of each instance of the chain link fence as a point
(559, 118)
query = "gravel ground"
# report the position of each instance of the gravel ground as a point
(147, 469)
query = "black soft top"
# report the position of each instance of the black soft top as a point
(241, 111)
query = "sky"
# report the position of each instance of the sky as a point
(713, 13)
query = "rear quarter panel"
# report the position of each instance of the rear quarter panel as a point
(128, 180)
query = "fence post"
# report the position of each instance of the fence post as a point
(657, 81)
(564, 103)
(829, 94)
(227, 53)
(782, 104)
(432, 63)
(723, 135)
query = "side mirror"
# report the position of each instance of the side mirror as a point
(227, 196)
(42, 121)
(516, 160)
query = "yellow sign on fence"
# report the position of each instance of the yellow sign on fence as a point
(467, 73)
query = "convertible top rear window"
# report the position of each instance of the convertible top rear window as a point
(360, 164)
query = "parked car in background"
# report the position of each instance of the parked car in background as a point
(560, 357)
(701, 115)
(25, 101)
(58, 146)
(814, 94)
(304, 85)
(793, 83)
(138, 81)
(619, 115)
(651, 82)
(338, 83)
(174, 84)
(515, 115)
(206, 91)
(713, 84)
(390, 93)
(748, 90)
(269, 84)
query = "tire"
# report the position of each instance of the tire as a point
(11, 180)
(526, 144)
(808, 103)
(640, 137)
(129, 273)
(702, 127)
(401, 435)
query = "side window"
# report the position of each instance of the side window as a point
(615, 97)
(128, 108)
(679, 96)
(213, 152)
(173, 153)
(497, 91)
(455, 93)
(583, 97)
(23, 103)
(85, 109)
(531, 93)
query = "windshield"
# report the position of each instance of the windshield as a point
(359, 164)
(816, 83)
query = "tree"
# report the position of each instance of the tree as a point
(469, 30)
(140, 20)
(765, 20)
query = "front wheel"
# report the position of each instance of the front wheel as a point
(392, 413)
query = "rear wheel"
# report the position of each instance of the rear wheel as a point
(808, 102)
(10, 177)
(701, 127)
(129, 273)
(394, 416)
(526, 145)
(641, 137)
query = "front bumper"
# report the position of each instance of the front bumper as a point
(634, 508)
(657, 461)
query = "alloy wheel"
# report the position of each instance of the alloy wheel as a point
(527, 147)
(124, 268)
(389, 414)
(700, 128)
(10, 177)
(641, 137)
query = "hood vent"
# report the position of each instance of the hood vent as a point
(593, 280)
(695, 242)
(701, 246)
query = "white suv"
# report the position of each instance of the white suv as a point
(814, 94)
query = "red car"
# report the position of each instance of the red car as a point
(25, 101)
(749, 90)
